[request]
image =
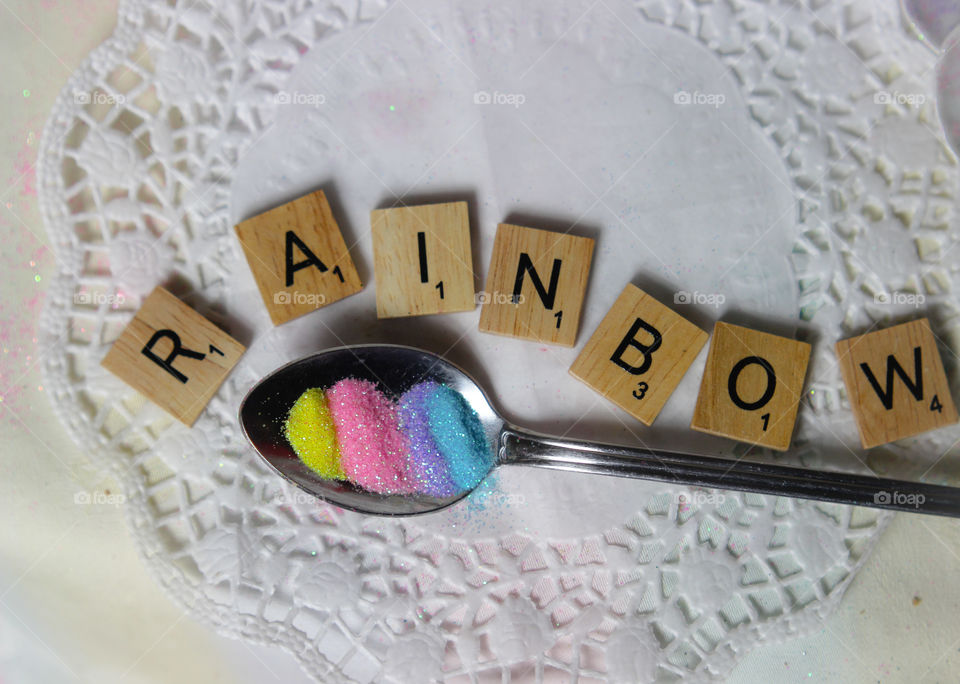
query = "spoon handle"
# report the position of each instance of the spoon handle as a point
(518, 447)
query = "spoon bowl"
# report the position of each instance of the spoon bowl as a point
(395, 369)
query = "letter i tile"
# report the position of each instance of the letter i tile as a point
(422, 259)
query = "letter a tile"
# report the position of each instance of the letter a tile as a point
(173, 356)
(751, 386)
(896, 383)
(639, 354)
(298, 257)
(536, 284)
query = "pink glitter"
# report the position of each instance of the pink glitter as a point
(373, 451)
(23, 168)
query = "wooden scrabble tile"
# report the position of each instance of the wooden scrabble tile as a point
(422, 260)
(896, 383)
(751, 386)
(298, 257)
(173, 355)
(638, 354)
(536, 284)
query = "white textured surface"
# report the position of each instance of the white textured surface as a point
(177, 446)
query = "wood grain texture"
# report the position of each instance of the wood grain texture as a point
(638, 354)
(531, 318)
(264, 240)
(893, 406)
(438, 280)
(752, 386)
(187, 386)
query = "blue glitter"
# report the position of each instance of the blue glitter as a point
(458, 433)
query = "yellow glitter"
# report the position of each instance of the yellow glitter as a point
(311, 433)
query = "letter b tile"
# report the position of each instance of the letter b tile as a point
(173, 356)
(751, 386)
(638, 354)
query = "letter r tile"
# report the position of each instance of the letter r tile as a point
(638, 354)
(896, 383)
(536, 284)
(751, 386)
(173, 356)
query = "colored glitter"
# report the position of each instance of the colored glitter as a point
(457, 431)
(373, 451)
(429, 442)
(428, 468)
(311, 432)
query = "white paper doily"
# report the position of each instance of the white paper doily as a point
(822, 159)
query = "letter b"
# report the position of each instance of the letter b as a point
(630, 340)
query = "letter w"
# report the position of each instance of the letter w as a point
(914, 385)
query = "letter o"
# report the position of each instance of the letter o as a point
(735, 375)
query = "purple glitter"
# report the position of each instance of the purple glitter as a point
(428, 467)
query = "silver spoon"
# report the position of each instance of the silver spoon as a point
(396, 368)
